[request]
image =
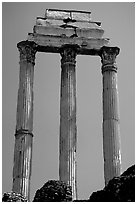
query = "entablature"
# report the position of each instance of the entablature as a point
(68, 27)
(53, 44)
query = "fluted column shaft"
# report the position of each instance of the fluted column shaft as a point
(111, 118)
(67, 158)
(24, 120)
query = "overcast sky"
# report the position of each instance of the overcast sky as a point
(118, 21)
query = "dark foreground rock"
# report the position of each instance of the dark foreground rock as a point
(53, 191)
(13, 197)
(119, 189)
(81, 201)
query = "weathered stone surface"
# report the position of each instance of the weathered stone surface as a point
(108, 58)
(68, 27)
(68, 137)
(60, 23)
(53, 191)
(57, 14)
(69, 31)
(69, 23)
(68, 14)
(22, 164)
(24, 120)
(53, 44)
(111, 118)
(81, 16)
(119, 189)
(13, 197)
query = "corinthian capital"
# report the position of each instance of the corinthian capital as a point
(27, 51)
(68, 54)
(108, 58)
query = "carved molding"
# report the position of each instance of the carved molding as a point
(68, 54)
(21, 132)
(108, 58)
(27, 51)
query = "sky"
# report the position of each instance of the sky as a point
(118, 22)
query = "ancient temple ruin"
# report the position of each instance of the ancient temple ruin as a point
(68, 33)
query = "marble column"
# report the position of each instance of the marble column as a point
(111, 118)
(67, 158)
(24, 120)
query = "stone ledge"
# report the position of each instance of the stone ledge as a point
(49, 43)
(54, 22)
(69, 32)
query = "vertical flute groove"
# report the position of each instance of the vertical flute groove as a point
(67, 160)
(111, 118)
(24, 120)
